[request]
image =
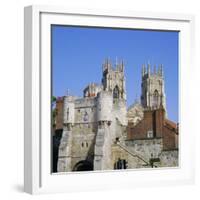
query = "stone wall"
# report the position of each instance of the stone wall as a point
(119, 111)
(85, 110)
(153, 148)
(102, 160)
(148, 148)
(64, 153)
(83, 142)
(169, 158)
(126, 154)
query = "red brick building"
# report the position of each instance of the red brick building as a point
(155, 125)
(59, 113)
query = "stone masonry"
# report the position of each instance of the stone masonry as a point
(100, 133)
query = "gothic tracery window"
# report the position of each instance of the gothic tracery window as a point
(116, 92)
(155, 98)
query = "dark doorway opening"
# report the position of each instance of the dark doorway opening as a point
(121, 164)
(56, 143)
(83, 165)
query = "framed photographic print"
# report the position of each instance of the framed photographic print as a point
(105, 99)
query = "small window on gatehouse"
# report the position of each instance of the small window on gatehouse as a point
(149, 134)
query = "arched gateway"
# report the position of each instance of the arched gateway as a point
(83, 165)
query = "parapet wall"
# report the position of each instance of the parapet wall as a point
(85, 110)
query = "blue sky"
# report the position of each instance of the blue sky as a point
(78, 54)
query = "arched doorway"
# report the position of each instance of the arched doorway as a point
(121, 164)
(83, 165)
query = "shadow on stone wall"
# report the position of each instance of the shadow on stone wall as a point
(56, 143)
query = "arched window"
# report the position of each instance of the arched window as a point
(116, 92)
(155, 98)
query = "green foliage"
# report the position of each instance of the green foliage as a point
(54, 111)
(53, 99)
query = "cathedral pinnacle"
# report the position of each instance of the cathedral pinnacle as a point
(149, 68)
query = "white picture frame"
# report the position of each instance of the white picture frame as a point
(37, 146)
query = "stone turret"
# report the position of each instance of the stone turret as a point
(114, 80)
(153, 90)
(104, 106)
(68, 112)
(65, 148)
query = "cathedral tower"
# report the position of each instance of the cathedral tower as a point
(153, 90)
(113, 79)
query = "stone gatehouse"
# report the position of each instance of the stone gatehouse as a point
(98, 132)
